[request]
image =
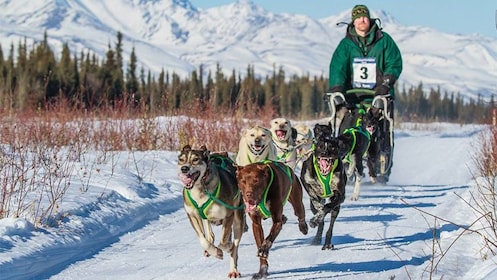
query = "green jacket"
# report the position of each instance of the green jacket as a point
(378, 45)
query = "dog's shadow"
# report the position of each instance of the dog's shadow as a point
(348, 268)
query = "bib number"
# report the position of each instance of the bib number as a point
(364, 72)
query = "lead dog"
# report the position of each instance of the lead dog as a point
(255, 145)
(323, 177)
(283, 135)
(211, 196)
(265, 187)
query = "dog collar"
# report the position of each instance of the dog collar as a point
(325, 180)
(256, 153)
(250, 160)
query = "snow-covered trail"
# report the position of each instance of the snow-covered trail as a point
(377, 237)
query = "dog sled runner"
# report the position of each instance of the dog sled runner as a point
(356, 102)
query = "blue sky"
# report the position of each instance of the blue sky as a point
(450, 16)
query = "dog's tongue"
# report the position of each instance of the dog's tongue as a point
(280, 133)
(249, 207)
(185, 179)
(324, 166)
(370, 129)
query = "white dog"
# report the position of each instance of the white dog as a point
(303, 141)
(283, 135)
(255, 145)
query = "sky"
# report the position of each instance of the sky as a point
(116, 226)
(450, 16)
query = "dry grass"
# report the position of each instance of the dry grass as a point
(39, 148)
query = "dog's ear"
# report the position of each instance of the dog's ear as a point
(238, 168)
(205, 152)
(186, 148)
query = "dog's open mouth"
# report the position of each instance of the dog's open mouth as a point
(250, 206)
(188, 179)
(325, 165)
(370, 129)
(257, 148)
(281, 134)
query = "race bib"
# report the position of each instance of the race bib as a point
(364, 72)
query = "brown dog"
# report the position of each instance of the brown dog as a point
(211, 196)
(265, 187)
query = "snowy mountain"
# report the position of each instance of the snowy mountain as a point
(176, 36)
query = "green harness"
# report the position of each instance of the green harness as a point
(213, 197)
(353, 131)
(325, 180)
(262, 204)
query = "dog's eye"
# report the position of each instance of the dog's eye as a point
(181, 159)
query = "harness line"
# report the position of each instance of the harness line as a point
(262, 204)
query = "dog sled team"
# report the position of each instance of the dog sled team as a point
(263, 177)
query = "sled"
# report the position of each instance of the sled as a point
(358, 101)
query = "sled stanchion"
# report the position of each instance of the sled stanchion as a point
(383, 99)
(335, 99)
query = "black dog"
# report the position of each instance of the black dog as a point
(371, 122)
(323, 177)
(355, 137)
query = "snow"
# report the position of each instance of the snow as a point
(123, 219)
(175, 36)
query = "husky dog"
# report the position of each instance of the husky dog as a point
(211, 196)
(283, 135)
(303, 142)
(255, 145)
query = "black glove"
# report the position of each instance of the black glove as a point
(382, 90)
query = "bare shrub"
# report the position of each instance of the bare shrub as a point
(39, 148)
(484, 195)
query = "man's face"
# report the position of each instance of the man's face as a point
(362, 24)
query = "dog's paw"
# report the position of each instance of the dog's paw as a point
(303, 227)
(234, 274)
(354, 198)
(373, 180)
(284, 219)
(262, 272)
(328, 247)
(315, 221)
(219, 253)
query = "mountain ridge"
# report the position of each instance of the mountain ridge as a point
(176, 36)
